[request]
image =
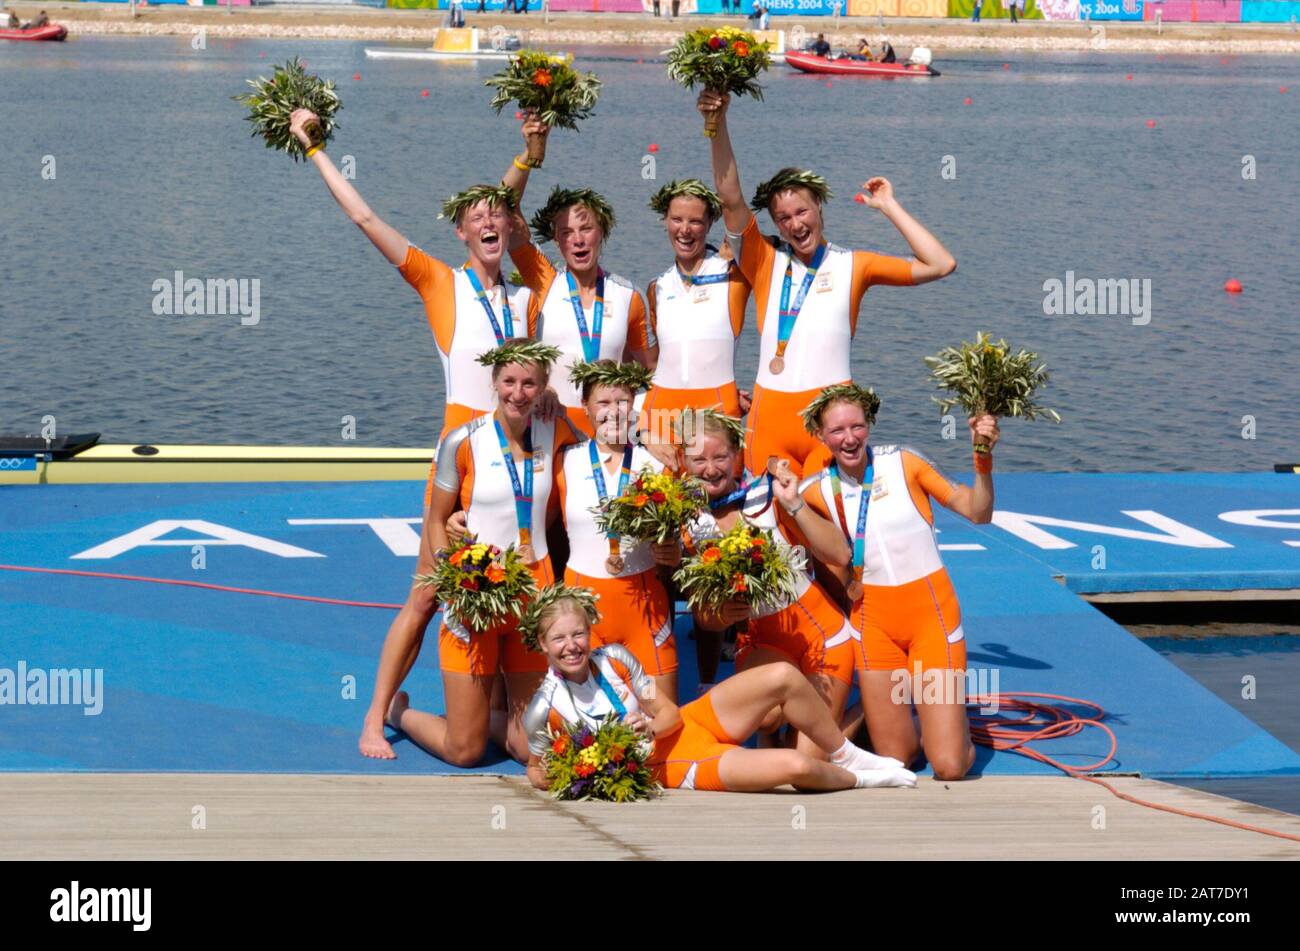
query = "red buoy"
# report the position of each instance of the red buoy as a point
(356, 75)
(1232, 285)
(1006, 65)
(424, 94)
(1151, 123)
(652, 147)
(828, 84)
(1129, 77)
(1281, 89)
(967, 101)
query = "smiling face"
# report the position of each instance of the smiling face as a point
(713, 460)
(798, 217)
(567, 643)
(578, 236)
(688, 225)
(485, 229)
(518, 385)
(845, 430)
(608, 409)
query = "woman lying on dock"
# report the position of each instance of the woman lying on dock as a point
(696, 746)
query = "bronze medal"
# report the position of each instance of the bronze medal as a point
(614, 564)
(855, 591)
(777, 364)
(526, 554)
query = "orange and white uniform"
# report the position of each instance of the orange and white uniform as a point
(820, 345)
(697, 322)
(624, 327)
(462, 333)
(686, 758)
(909, 612)
(471, 464)
(634, 606)
(812, 633)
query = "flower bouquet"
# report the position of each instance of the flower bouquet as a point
(986, 377)
(745, 564)
(725, 59)
(549, 86)
(654, 507)
(480, 585)
(274, 100)
(608, 763)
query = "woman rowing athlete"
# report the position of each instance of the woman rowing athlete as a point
(499, 469)
(634, 604)
(696, 746)
(697, 311)
(811, 633)
(586, 312)
(904, 611)
(471, 308)
(807, 292)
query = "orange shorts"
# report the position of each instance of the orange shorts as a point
(800, 634)
(634, 612)
(909, 624)
(775, 428)
(663, 407)
(499, 649)
(456, 415)
(699, 744)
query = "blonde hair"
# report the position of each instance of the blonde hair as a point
(562, 605)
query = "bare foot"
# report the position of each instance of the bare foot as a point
(372, 742)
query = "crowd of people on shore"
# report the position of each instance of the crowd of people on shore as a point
(544, 421)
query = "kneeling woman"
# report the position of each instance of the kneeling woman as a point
(500, 469)
(633, 600)
(696, 746)
(811, 633)
(904, 610)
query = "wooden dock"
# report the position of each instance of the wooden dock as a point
(268, 816)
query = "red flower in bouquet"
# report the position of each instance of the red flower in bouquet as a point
(712, 555)
(658, 498)
(560, 746)
(741, 48)
(641, 500)
(469, 584)
(542, 77)
(584, 770)
(616, 754)
(715, 42)
(740, 586)
(588, 740)
(496, 574)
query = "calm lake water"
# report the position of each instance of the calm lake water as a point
(1056, 171)
(1221, 664)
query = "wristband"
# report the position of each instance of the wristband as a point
(983, 462)
(796, 510)
(522, 166)
(314, 149)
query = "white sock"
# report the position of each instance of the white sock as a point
(853, 757)
(874, 778)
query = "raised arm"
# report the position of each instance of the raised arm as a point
(976, 502)
(726, 176)
(516, 176)
(382, 235)
(933, 260)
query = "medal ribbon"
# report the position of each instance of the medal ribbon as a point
(688, 281)
(605, 688)
(858, 538)
(524, 493)
(624, 474)
(487, 306)
(590, 343)
(788, 315)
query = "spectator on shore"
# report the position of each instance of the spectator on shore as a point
(676, 9)
(1011, 8)
(457, 14)
(820, 47)
(762, 18)
(656, 2)
(976, 17)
